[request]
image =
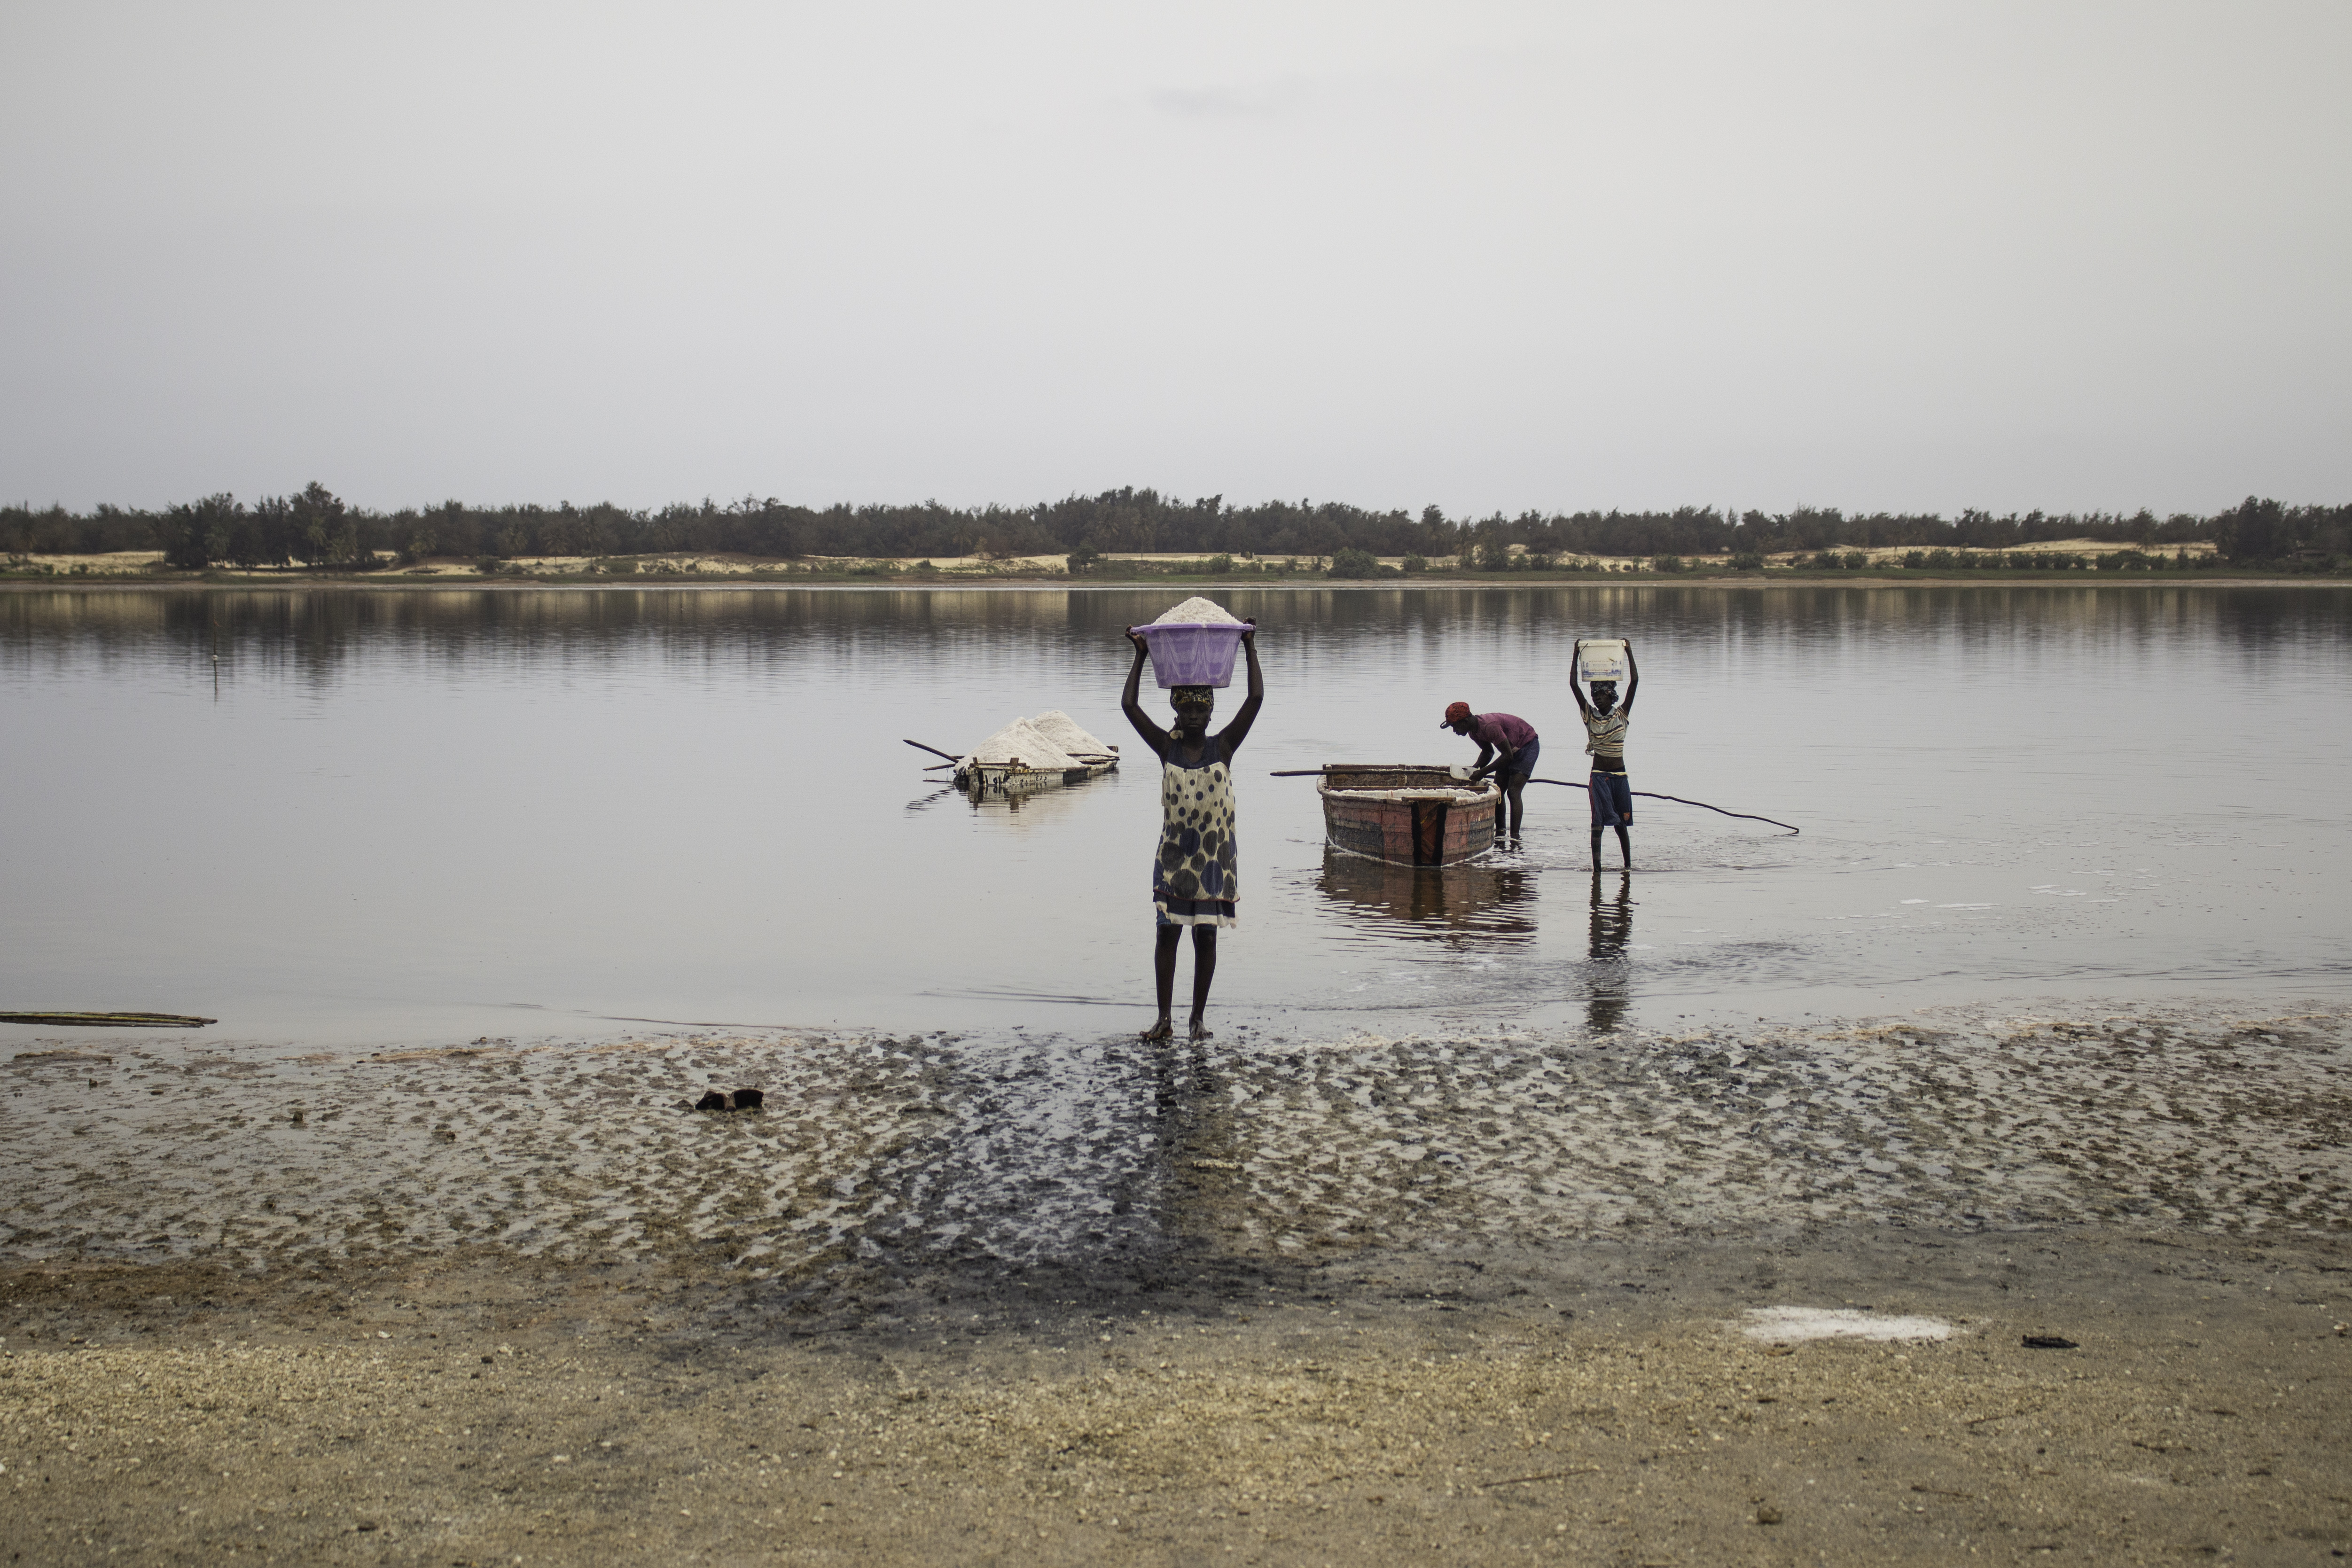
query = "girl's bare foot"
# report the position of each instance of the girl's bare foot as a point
(1163, 1030)
(1200, 1030)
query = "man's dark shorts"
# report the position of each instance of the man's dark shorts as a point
(1523, 763)
(1613, 800)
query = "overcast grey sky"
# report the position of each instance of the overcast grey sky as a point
(1876, 255)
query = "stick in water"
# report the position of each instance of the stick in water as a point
(935, 751)
(1677, 799)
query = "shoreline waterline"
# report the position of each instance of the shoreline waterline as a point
(2135, 580)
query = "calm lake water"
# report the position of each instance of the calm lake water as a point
(418, 815)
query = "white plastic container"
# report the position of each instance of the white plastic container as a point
(1601, 658)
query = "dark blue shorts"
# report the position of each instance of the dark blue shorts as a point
(1523, 763)
(1613, 800)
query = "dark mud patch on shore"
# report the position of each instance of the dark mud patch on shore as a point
(885, 1167)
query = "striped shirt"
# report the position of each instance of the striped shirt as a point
(1605, 735)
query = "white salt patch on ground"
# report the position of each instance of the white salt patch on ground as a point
(1783, 1326)
(1068, 734)
(1021, 741)
(1196, 610)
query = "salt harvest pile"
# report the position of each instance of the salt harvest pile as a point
(1035, 754)
(1196, 611)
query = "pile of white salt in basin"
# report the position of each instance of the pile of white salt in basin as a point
(1195, 611)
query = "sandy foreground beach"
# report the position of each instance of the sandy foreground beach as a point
(1266, 1300)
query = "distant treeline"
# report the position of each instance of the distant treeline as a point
(313, 528)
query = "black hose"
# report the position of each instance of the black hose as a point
(1677, 799)
(1571, 784)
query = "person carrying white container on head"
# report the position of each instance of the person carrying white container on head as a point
(1195, 868)
(1605, 719)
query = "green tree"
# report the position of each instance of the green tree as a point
(195, 534)
(2254, 530)
(263, 534)
(322, 532)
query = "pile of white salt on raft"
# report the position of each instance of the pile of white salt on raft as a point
(1070, 736)
(1021, 741)
(1196, 611)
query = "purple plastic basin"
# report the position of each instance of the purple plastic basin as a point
(1189, 653)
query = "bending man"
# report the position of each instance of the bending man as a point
(1507, 748)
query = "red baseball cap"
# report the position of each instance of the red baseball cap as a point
(1453, 711)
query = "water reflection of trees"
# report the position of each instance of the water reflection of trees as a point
(1462, 905)
(315, 631)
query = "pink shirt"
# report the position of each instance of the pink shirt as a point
(1494, 728)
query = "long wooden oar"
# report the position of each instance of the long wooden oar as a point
(935, 751)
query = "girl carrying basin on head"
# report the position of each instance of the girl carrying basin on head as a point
(1194, 879)
(1605, 721)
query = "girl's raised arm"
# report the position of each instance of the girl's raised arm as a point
(1238, 731)
(1153, 735)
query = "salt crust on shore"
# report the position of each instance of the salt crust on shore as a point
(552, 1417)
(1790, 1325)
(1070, 1149)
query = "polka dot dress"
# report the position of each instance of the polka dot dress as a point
(1195, 875)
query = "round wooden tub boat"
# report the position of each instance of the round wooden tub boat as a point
(1407, 814)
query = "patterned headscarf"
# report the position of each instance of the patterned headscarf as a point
(1179, 694)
